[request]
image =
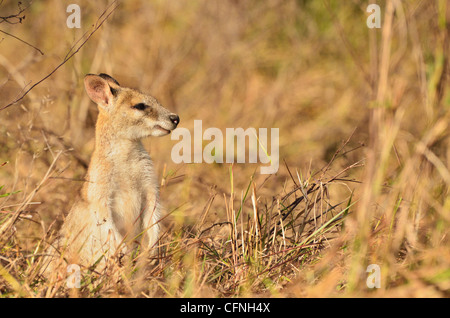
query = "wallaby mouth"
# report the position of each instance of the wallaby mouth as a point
(166, 125)
(166, 131)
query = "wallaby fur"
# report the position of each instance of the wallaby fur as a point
(119, 202)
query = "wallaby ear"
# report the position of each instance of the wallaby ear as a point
(99, 89)
(111, 81)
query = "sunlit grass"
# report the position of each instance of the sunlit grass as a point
(310, 68)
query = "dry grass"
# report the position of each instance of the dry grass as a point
(310, 68)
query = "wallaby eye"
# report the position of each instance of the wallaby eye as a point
(140, 106)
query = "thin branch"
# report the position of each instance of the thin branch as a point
(13, 36)
(16, 18)
(97, 25)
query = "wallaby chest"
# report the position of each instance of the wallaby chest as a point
(134, 190)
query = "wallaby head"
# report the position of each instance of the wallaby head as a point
(128, 112)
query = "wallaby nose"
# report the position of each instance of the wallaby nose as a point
(174, 119)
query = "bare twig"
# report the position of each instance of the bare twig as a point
(72, 51)
(23, 41)
(14, 18)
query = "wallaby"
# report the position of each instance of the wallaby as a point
(119, 202)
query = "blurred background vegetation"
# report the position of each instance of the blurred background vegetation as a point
(313, 69)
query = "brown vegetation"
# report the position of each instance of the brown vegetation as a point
(364, 144)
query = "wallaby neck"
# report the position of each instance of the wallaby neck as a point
(111, 146)
(114, 159)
